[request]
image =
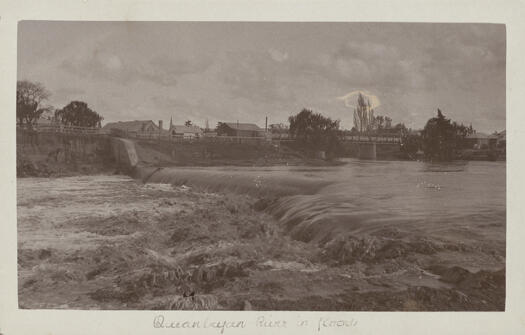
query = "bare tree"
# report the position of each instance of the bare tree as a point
(29, 99)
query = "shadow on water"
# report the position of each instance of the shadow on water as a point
(458, 166)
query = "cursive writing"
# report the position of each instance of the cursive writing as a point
(160, 322)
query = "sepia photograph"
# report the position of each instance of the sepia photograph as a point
(261, 166)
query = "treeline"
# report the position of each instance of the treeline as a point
(440, 140)
(30, 107)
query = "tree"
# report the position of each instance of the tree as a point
(29, 99)
(388, 122)
(222, 128)
(315, 131)
(187, 123)
(379, 122)
(77, 113)
(410, 143)
(441, 138)
(363, 115)
(400, 128)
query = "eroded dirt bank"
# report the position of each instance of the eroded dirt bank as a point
(109, 242)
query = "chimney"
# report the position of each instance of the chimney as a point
(160, 124)
(266, 125)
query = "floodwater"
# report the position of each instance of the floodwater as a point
(460, 203)
(349, 232)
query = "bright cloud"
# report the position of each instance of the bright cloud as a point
(350, 99)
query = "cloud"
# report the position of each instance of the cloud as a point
(350, 99)
(161, 70)
(68, 91)
(180, 66)
(277, 55)
(254, 76)
(169, 103)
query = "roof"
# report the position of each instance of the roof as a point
(136, 125)
(243, 126)
(186, 129)
(477, 136)
(43, 120)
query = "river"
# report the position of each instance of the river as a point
(462, 203)
(405, 222)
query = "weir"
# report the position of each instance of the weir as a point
(242, 181)
(125, 154)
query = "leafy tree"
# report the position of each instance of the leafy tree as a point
(29, 99)
(410, 143)
(222, 128)
(278, 128)
(441, 138)
(187, 123)
(388, 122)
(379, 122)
(315, 131)
(77, 113)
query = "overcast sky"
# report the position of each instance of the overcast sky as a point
(246, 71)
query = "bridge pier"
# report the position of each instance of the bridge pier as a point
(367, 150)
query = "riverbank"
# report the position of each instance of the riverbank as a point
(109, 242)
(55, 159)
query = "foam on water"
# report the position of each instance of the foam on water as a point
(444, 203)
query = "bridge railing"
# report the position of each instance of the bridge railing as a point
(199, 139)
(373, 138)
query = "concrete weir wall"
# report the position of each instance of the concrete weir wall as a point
(74, 149)
(63, 148)
(125, 154)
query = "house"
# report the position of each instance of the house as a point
(133, 128)
(45, 121)
(187, 132)
(477, 141)
(499, 139)
(279, 131)
(240, 129)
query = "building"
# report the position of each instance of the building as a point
(135, 128)
(43, 122)
(477, 141)
(187, 132)
(279, 131)
(240, 129)
(499, 139)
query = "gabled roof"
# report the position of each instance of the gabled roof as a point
(182, 129)
(243, 126)
(42, 120)
(137, 125)
(477, 136)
